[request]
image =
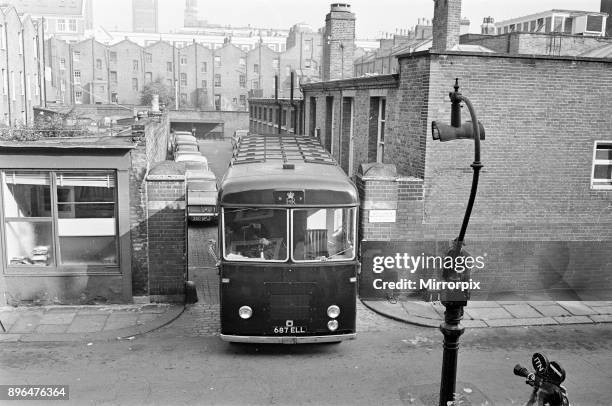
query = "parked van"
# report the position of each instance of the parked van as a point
(202, 196)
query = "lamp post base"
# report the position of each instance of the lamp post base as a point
(452, 330)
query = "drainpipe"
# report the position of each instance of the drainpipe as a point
(197, 94)
(23, 82)
(280, 111)
(8, 73)
(38, 59)
(44, 80)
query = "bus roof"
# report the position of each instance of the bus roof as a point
(275, 170)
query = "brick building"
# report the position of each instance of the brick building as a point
(21, 67)
(198, 77)
(543, 210)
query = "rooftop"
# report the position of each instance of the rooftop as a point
(94, 142)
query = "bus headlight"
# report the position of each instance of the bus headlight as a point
(333, 311)
(245, 312)
(332, 325)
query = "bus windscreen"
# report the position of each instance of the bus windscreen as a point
(255, 234)
(323, 234)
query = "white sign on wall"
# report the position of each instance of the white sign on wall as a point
(382, 216)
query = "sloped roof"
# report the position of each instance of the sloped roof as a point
(601, 52)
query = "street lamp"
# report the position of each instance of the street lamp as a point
(455, 301)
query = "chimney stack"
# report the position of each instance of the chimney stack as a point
(339, 42)
(488, 26)
(446, 24)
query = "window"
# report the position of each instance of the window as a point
(532, 25)
(114, 98)
(113, 76)
(148, 58)
(242, 61)
(22, 82)
(275, 63)
(13, 92)
(135, 65)
(98, 64)
(602, 166)
(183, 79)
(381, 130)
(112, 56)
(217, 102)
(255, 234)
(594, 23)
(84, 215)
(72, 25)
(76, 56)
(323, 234)
(242, 80)
(558, 24)
(78, 97)
(203, 67)
(148, 77)
(61, 25)
(183, 60)
(256, 68)
(77, 77)
(217, 80)
(243, 101)
(135, 84)
(168, 66)
(183, 99)
(217, 61)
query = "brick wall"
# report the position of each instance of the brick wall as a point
(167, 232)
(531, 43)
(150, 149)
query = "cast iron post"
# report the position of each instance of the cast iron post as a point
(451, 328)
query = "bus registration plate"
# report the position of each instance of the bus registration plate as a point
(289, 330)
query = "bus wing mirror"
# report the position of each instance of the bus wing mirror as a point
(212, 250)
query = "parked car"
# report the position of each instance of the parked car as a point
(178, 138)
(193, 167)
(187, 147)
(202, 197)
(190, 156)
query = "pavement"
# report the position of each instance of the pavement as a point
(497, 313)
(84, 323)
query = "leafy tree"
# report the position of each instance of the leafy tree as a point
(157, 87)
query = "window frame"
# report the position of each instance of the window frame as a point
(596, 161)
(352, 209)
(246, 259)
(85, 268)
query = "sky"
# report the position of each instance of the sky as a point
(373, 16)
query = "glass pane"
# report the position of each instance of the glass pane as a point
(85, 187)
(604, 152)
(86, 210)
(29, 243)
(255, 234)
(323, 234)
(27, 194)
(603, 172)
(90, 250)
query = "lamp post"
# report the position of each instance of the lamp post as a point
(454, 301)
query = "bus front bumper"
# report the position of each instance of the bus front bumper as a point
(288, 339)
